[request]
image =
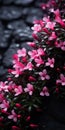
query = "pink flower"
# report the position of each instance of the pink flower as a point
(21, 52)
(44, 92)
(13, 116)
(18, 90)
(50, 62)
(39, 61)
(4, 105)
(15, 59)
(1, 97)
(2, 86)
(43, 6)
(36, 53)
(32, 44)
(61, 80)
(31, 78)
(18, 65)
(33, 125)
(15, 128)
(44, 75)
(36, 28)
(56, 12)
(33, 54)
(53, 36)
(58, 17)
(16, 72)
(29, 89)
(39, 22)
(46, 19)
(50, 25)
(41, 52)
(61, 45)
(29, 66)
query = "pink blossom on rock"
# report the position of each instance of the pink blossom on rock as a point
(46, 19)
(39, 61)
(15, 58)
(58, 17)
(44, 92)
(61, 45)
(61, 80)
(16, 72)
(33, 54)
(4, 105)
(53, 36)
(33, 125)
(18, 90)
(21, 52)
(15, 128)
(31, 78)
(2, 86)
(36, 28)
(41, 52)
(50, 25)
(29, 66)
(39, 22)
(32, 44)
(50, 62)
(36, 53)
(44, 75)
(1, 97)
(29, 89)
(18, 65)
(13, 116)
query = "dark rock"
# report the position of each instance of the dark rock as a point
(9, 13)
(3, 71)
(39, 2)
(24, 34)
(23, 2)
(7, 59)
(24, 45)
(1, 57)
(7, 1)
(4, 38)
(15, 25)
(25, 12)
(34, 14)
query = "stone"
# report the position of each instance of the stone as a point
(34, 14)
(9, 13)
(39, 2)
(4, 38)
(23, 2)
(25, 12)
(24, 34)
(1, 57)
(17, 24)
(7, 58)
(7, 2)
(3, 71)
(24, 45)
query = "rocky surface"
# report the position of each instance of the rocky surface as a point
(16, 19)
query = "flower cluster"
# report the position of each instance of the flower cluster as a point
(36, 73)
